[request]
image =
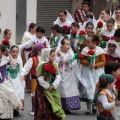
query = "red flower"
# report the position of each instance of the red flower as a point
(73, 32)
(117, 83)
(5, 42)
(82, 32)
(91, 52)
(65, 27)
(48, 38)
(82, 57)
(49, 68)
(100, 24)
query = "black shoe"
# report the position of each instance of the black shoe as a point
(94, 111)
(15, 113)
(67, 112)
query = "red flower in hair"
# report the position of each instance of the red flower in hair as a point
(73, 32)
(5, 42)
(91, 52)
(100, 24)
(65, 27)
(82, 32)
(49, 68)
(82, 57)
(117, 83)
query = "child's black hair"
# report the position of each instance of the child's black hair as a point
(14, 46)
(95, 38)
(2, 48)
(89, 15)
(110, 20)
(86, 3)
(63, 40)
(75, 24)
(111, 66)
(106, 11)
(89, 23)
(32, 25)
(6, 31)
(63, 11)
(51, 51)
(56, 27)
(40, 29)
(117, 33)
(111, 45)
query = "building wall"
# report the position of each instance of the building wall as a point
(31, 11)
(8, 16)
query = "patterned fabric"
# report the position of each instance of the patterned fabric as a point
(71, 103)
(43, 110)
(6, 109)
(3, 74)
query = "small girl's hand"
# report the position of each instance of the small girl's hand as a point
(67, 62)
(58, 53)
(50, 88)
(93, 65)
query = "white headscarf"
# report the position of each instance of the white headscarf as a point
(117, 50)
(68, 18)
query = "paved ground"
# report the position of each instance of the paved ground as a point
(75, 115)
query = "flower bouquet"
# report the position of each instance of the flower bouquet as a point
(73, 34)
(81, 38)
(6, 43)
(49, 73)
(65, 29)
(102, 44)
(99, 25)
(91, 56)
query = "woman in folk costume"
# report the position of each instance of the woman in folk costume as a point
(116, 16)
(47, 99)
(112, 51)
(108, 33)
(31, 30)
(104, 16)
(68, 87)
(9, 100)
(64, 20)
(30, 67)
(93, 62)
(14, 74)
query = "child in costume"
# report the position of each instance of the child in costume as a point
(105, 97)
(9, 100)
(93, 62)
(27, 36)
(68, 86)
(56, 38)
(108, 33)
(47, 98)
(14, 74)
(30, 67)
(39, 38)
(112, 51)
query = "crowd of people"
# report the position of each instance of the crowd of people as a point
(80, 61)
